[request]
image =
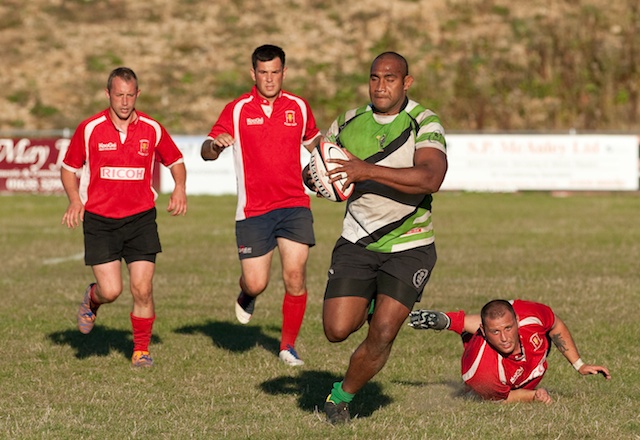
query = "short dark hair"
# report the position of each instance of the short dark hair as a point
(267, 52)
(122, 72)
(495, 309)
(397, 56)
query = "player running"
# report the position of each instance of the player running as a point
(116, 150)
(266, 129)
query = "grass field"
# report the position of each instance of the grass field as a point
(217, 379)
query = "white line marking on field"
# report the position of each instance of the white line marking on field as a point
(59, 260)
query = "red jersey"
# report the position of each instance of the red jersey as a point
(493, 376)
(266, 150)
(116, 178)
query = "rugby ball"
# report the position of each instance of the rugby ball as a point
(320, 168)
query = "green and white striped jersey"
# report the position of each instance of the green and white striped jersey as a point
(377, 216)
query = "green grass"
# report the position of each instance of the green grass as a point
(217, 379)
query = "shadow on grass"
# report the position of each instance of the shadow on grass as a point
(312, 388)
(235, 338)
(458, 388)
(100, 342)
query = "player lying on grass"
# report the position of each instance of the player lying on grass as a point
(506, 347)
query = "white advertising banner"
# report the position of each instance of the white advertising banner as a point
(477, 162)
(542, 162)
(210, 177)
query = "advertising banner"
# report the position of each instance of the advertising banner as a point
(477, 162)
(542, 162)
(31, 165)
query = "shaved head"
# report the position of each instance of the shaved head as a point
(404, 66)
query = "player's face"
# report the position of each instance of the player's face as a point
(388, 85)
(122, 98)
(268, 76)
(502, 334)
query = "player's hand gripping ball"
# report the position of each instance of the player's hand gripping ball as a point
(320, 168)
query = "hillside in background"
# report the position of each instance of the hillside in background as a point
(489, 65)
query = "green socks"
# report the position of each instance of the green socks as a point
(339, 395)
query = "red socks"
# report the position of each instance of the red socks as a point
(142, 328)
(457, 321)
(293, 308)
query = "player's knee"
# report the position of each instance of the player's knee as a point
(142, 295)
(254, 287)
(382, 333)
(108, 294)
(333, 336)
(294, 281)
(337, 333)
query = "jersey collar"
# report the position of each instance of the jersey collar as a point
(260, 99)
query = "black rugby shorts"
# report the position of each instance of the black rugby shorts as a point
(356, 271)
(132, 238)
(257, 236)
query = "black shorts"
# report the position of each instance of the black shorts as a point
(257, 236)
(133, 238)
(356, 271)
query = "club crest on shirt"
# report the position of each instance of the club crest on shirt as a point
(290, 118)
(144, 147)
(536, 341)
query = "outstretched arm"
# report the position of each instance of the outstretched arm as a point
(562, 339)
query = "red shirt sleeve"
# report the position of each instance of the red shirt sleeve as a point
(224, 124)
(167, 151)
(541, 311)
(75, 156)
(311, 130)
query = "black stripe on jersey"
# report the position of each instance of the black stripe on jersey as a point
(377, 235)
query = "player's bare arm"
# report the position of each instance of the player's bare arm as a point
(541, 395)
(522, 395)
(211, 148)
(425, 177)
(75, 211)
(178, 200)
(563, 340)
